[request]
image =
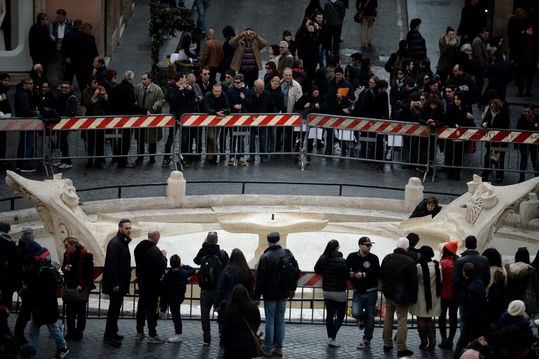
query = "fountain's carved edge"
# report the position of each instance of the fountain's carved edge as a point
(479, 211)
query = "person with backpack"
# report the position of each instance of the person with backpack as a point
(211, 260)
(334, 270)
(276, 280)
(173, 286)
(40, 289)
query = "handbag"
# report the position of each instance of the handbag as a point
(259, 343)
(358, 17)
(74, 296)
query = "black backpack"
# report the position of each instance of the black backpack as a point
(288, 272)
(210, 270)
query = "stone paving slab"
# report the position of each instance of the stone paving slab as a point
(302, 341)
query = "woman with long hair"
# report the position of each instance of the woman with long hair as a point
(496, 289)
(496, 117)
(236, 272)
(522, 280)
(428, 303)
(448, 300)
(334, 270)
(241, 317)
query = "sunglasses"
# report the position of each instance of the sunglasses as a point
(237, 82)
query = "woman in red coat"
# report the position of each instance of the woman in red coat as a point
(447, 295)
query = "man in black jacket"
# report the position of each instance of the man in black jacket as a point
(25, 107)
(399, 284)
(215, 103)
(208, 288)
(365, 272)
(116, 279)
(8, 266)
(268, 273)
(481, 264)
(151, 264)
(260, 102)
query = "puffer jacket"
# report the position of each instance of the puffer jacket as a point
(519, 275)
(334, 271)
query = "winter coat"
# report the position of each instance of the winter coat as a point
(519, 275)
(24, 103)
(82, 268)
(267, 274)
(417, 48)
(150, 264)
(421, 210)
(117, 269)
(334, 13)
(294, 94)
(398, 273)
(41, 294)
(482, 270)
(237, 42)
(522, 323)
(474, 301)
(212, 53)
(419, 308)
(447, 266)
(369, 266)
(448, 53)
(4, 100)
(213, 104)
(237, 338)
(174, 283)
(154, 96)
(122, 100)
(227, 280)
(334, 271)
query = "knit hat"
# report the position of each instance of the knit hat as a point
(27, 234)
(452, 246)
(273, 237)
(470, 354)
(426, 252)
(403, 243)
(516, 308)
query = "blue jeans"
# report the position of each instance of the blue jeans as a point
(202, 6)
(334, 308)
(54, 330)
(274, 310)
(363, 307)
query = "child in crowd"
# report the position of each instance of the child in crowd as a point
(174, 284)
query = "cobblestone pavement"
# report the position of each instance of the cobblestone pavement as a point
(302, 341)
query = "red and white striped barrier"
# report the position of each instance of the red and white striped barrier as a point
(477, 134)
(20, 124)
(368, 125)
(113, 122)
(243, 120)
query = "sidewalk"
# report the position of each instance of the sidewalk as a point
(302, 341)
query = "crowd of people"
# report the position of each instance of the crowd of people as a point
(495, 302)
(304, 74)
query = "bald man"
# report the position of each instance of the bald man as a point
(212, 53)
(151, 263)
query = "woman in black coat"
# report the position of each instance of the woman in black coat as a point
(40, 42)
(242, 316)
(334, 270)
(496, 117)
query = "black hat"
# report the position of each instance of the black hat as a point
(273, 237)
(357, 56)
(339, 70)
(365, 240)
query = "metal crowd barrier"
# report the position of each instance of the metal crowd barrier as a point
(372, 140)
(22, 142)
(307, 306)
(240, 137)
(489, 150)
(93, 134)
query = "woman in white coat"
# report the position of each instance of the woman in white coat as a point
(428, 303)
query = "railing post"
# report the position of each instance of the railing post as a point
(119, 191)
(243, 188)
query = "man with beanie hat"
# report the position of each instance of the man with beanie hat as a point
(365, 272)
(398, 273)
(481, 264)
(413, 239)
(8, 266)
(276, 280)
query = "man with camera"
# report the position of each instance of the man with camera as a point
(247, 59)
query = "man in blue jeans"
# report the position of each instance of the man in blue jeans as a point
(365, 272)
(269, 283)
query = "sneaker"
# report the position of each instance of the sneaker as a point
(65, 166)
(175, 339)
(333, 343)
(155, 340)
(364, 344)
(140, 336)
(232, 162)
(28, 170)
(56, 164)
(405, 353)
(277, 351)
(242, 162)
(206, 342)
(62, 353)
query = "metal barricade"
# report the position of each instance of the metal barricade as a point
(22, 142)
(488, 150)
(373, 140)
(93, 134)
(238, 138)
